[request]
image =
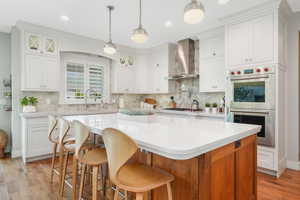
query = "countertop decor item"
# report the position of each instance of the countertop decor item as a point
(135, 112)
(29, 104)
(214, 108)
(207, 107)
(3, 142)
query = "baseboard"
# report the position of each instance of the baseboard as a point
(295, 165)
(16, 154)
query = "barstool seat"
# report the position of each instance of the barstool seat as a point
(94, 157)
(141, 178)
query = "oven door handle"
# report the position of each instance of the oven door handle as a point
(250, 112)
(248, 78)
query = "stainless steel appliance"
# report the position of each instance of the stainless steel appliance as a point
(265, 118)
(252, 97)
(252, 88)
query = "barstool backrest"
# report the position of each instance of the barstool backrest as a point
(63, 127)
(119, 148)
(52, 126)
(81, 133)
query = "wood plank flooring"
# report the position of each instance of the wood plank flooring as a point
(32, 182)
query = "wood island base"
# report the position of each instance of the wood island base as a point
(227, 173)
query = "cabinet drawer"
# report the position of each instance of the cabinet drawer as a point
(265, 159)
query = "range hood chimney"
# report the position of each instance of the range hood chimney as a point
(185, 60)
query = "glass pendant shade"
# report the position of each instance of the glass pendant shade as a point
(139, 35)
(110, 48)
(194, 12)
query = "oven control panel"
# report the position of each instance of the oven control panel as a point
(257, 70)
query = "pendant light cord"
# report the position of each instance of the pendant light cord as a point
(110, 8)
(140, 17)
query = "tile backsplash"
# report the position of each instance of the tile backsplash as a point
(186, 92)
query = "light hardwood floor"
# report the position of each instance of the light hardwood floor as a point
(32, 182)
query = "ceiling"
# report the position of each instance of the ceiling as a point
(89, 17)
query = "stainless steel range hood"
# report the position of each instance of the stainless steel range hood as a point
(185, 61)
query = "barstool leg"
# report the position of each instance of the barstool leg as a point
(83, 170)
(53, 160)
(139, 196)
(170, 196)
(74, 178)
(95, 183)
(64, 171)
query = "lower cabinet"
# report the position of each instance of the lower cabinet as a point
(227, 173)
(35, 143)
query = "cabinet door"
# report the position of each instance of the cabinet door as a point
(38, 143)
(33, 73)
(246, 170)
(50, 46)
(124, 79)
(222, 173)
(33, 43)
(50, 74)
(212, 75)
(262, 45)
(211, 48)
(238, 44)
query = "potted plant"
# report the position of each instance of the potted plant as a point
(207, 107)
(29, 104)
(214, 108)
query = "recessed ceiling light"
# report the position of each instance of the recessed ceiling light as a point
(64, 18)
(223, 2)
(168, 24)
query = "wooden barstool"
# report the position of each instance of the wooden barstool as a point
(137, 178)
(87, 158)
(53, 139)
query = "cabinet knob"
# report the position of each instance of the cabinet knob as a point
(237, 144)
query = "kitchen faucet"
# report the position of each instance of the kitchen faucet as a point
(88, 91)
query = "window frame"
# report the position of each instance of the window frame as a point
(86, 61)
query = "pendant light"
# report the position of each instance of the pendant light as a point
(194, 12)
(140, 35)
(109, 47)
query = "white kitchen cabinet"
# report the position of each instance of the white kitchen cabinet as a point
(35, 143)
(40, 73)
(40, 45)
(212, 47)
(212, 63)
(150, 72)
(251, 42)
(41, 63)
(212, 75)
(123, 78)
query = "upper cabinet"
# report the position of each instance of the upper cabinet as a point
(251, 42)
(149, 73)
(41, 63)
(40, 45)
(212, 63)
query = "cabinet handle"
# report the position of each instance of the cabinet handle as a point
(237, 144)
(214, 54)
(246, 59)
(214, 86)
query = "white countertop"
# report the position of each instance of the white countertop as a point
(67, 113)
(197, 113)
(171, 136)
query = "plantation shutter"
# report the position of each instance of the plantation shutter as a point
(75, 81)
(96, 81)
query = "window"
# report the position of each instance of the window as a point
(85, 75)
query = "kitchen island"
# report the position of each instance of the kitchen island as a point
(211, 160)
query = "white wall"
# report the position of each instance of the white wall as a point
(293, 88)
(5, 70)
